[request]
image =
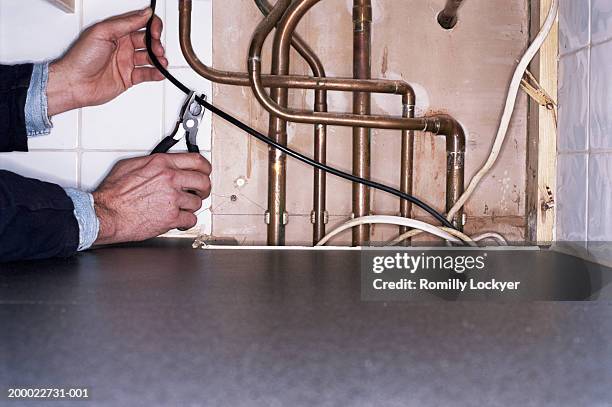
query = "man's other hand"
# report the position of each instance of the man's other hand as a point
(145, 197)
(106, 60)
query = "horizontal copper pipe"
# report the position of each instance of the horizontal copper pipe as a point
(283, 81)
(448, 17)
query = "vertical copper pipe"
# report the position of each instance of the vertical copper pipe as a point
(448, 17)
(455, 168)
(362, 69)
(276, 216)
(319, 212)
(320, 131)
(407, 160)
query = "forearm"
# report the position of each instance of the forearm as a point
(60, 97)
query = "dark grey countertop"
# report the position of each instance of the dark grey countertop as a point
(164, 324)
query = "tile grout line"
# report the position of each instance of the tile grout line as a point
(588, 129)
(79, 151)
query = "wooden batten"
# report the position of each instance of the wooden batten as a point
(542, 145)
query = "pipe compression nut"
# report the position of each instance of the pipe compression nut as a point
(434, 122)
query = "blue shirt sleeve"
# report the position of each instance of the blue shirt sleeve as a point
(84, 211)
(36, 113)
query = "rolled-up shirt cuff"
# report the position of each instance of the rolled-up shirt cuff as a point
(85, 213)
(36, 113)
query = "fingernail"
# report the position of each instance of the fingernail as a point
(145, 11)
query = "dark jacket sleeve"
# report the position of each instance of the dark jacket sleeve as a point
(36, 220)
(14, 84)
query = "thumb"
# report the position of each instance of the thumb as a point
(124, 24)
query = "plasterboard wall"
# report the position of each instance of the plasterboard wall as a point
(464, 72)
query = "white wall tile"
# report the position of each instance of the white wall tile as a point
(572, 197)
(56, 167)
(201, 33)
(600, 197)
(574, 101)
(175, 99)
(64, 135)
(601, 96)
(98, 10)
(133, 121)
(573, 25)
(35, 30)
(205, 222)
(601, 20)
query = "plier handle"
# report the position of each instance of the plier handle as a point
(189, 118)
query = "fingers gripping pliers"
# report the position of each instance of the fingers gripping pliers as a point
(189, 118)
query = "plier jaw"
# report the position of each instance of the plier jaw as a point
(189, 118)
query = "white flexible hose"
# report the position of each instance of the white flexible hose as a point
(397, 221)
(488, 235)
(493, 236)
(509, 108)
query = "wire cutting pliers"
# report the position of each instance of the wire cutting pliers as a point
(189, 118)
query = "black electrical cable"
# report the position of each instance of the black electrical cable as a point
(259, 136)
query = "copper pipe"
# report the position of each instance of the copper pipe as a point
(448, 17)
(277, 216)
(362, 105)
(311, 58)
(319, 212)
(455, 169)
(318, 215)
(437, 124)
(407, 162)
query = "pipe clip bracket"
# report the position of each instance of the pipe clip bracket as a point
(284, 219)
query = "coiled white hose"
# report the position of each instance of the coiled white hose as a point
(451, 235)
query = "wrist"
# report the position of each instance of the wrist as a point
(107, 233)
(60, 95)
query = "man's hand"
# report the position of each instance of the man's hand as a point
(106, 60)
(145, 197)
